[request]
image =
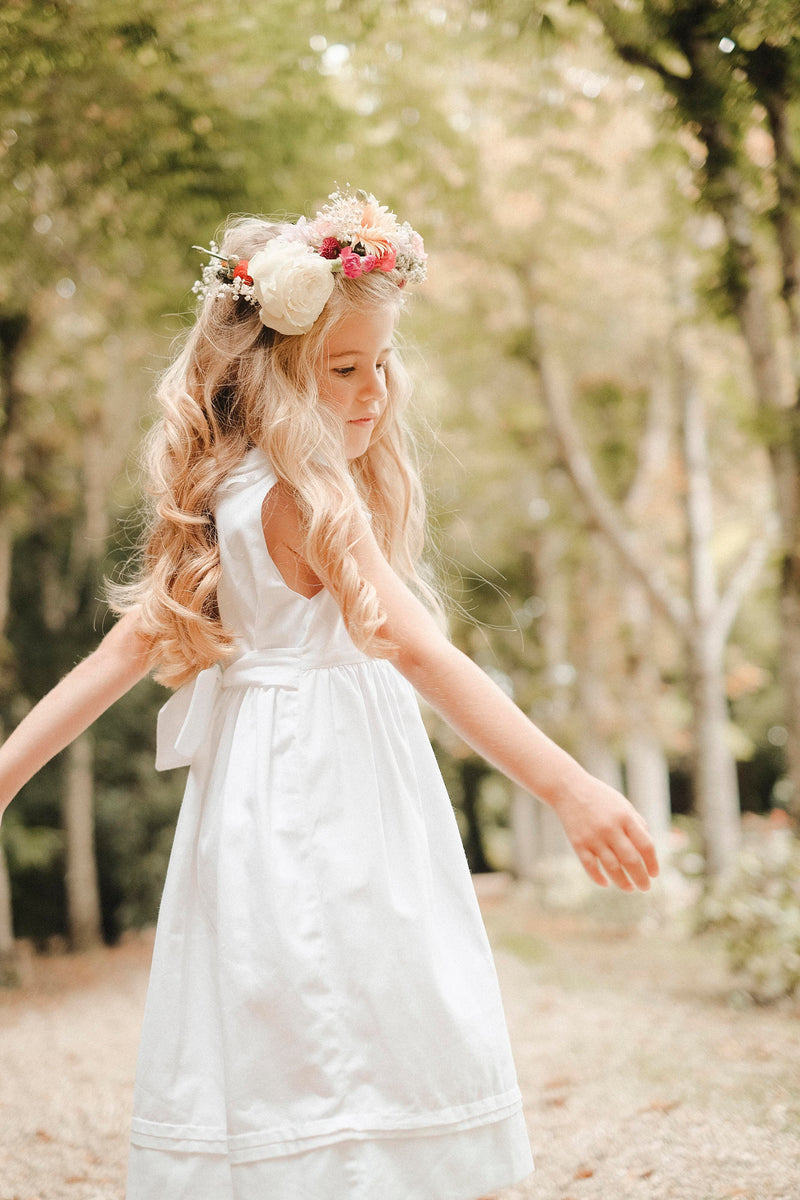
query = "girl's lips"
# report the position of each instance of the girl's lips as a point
(364, 421)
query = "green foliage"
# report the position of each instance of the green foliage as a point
(136, 810)
(128, 134)
(525, 945)
(613, 414)
(101, 143)
(731, 72)
(35, 857)
(32, 847)
(135, 807)
(758, 912)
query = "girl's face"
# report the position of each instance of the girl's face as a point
(352, 378)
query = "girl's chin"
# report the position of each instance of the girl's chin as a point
(356, 442)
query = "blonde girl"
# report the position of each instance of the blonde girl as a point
(323, 1020)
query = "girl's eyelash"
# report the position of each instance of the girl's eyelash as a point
(345, 371)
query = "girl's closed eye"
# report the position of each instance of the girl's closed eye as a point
(343, 372)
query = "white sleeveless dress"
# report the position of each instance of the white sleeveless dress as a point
(323, 1020)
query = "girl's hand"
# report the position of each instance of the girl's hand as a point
(607, 834)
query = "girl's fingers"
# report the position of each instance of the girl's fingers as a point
(622, 853)
(612, 865)
(628, 851)
(591, 867)
(638, 833)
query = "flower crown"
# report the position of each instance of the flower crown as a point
(290, 280)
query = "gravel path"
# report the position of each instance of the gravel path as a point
(640, 1079)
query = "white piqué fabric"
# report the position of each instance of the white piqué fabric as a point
(323, 1020)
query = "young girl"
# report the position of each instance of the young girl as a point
(323, 1020)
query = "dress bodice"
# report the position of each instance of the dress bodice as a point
(255, 602)
(279, 634)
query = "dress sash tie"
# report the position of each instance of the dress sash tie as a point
(185, 719)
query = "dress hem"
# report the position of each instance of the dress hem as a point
(244, 1147)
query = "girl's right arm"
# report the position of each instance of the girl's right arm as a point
(91, 687)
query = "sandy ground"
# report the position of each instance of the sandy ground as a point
(641, 1079)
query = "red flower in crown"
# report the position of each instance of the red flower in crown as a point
(240, 271)
(330, 248)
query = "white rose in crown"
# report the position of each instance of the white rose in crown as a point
(292, 284)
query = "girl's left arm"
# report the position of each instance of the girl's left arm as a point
(606, 832)
(91, 687)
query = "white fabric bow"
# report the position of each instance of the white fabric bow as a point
(184, 721)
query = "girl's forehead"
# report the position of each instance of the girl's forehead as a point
(363, 331)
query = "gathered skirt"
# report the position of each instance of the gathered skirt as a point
(323, 1019)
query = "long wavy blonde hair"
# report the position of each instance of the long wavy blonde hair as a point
(232, 385)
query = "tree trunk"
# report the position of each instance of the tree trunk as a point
(524, 839)
(83, 897)
(537, 833)
(594, 752)
(64, 596)
(472, 772)
(790, 670)
(717, 791)
(9, 975)
(553, 625)
(13, 330)
(753, 310)
(715, 770)
(595, 642)
(538, 836)
(647, 783)
(646, 769)
(8, 969)
(770, 69)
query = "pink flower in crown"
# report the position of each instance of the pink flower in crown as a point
(369, 262)
(377, 228)
(351, 263)
(417, 245)
(387, 259)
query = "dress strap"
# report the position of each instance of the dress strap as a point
(253, 467)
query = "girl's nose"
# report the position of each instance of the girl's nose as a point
(374, 387)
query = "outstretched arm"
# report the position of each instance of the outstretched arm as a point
(72, 705)
(603, 827)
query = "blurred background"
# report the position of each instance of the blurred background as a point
(607, 351)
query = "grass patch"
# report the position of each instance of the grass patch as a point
(524, 945)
